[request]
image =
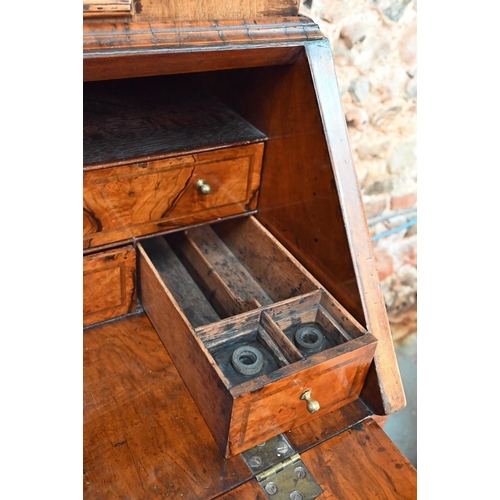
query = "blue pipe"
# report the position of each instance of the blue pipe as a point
(395, 230)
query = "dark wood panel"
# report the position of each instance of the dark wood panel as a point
(152, 117)
(107, 67)
(109, 287)
(231, 289)
(143, 435)
(174, 274)
(279, 274)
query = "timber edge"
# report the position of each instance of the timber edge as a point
(167, 35)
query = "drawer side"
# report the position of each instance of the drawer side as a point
(202, 377)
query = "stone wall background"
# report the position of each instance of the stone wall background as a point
(374, 44)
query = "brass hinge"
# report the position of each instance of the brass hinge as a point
(277, 468)
(288, 478)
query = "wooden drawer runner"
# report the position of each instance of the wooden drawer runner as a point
(108, 285)
(214, 289)
(141, 198)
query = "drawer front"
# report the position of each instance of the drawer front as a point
(278, 407)
(108, 285)
(124, 202)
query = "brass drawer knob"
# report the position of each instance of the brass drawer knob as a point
(312, 405)
(203, 187)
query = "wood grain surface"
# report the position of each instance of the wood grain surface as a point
(362, 463)
(150, 10)
(185, 290)
(278, 273)
(330, 424)
(149, 118)
(143, 435)
(209, 32)
(124, 50)
(109, 287)
(287, 347)
(317, 212)
(247, 491)
(389, 395)
(228, 285)
(202, 376)
(143, 198)
(299, 201)
(106, 8)
(357, 464)
(212, 9)
(258, 409)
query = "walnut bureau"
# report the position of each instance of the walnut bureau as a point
(230, 294)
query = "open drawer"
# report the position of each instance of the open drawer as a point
(261, 346)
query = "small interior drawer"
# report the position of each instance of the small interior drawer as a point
(250, 330)
(108, 284)
(145, 197)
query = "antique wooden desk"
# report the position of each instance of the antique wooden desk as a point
(230, 293)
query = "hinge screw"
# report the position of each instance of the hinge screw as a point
(271, 488)
(296, 495)
(255, 461)
(300, 473)
(282, 447)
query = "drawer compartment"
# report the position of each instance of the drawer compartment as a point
(123, 202)
(108, 285)
(227, 301)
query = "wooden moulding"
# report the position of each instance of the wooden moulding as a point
(210, 32)
(245, 414)
(123, 50)
(147, 197)
(108, 285)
